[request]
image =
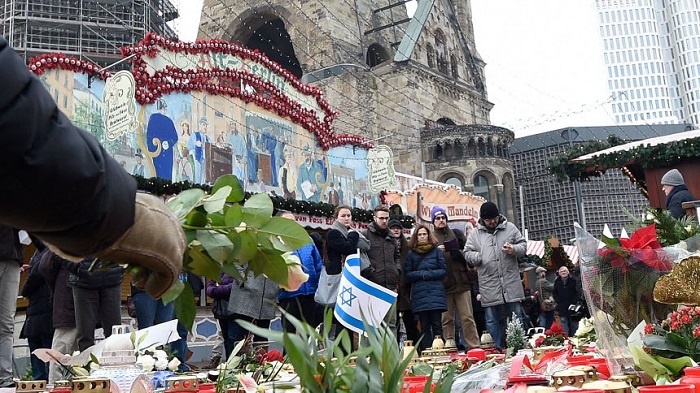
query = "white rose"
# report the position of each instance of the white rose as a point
(160, 354)
(295, 273)
(161, 364)
(146, 362)
(174, 364)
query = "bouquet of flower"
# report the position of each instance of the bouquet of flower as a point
(153, 359)
(554, 336)
(676, 336)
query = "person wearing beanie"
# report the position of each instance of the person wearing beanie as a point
(545, 288)
(457, 282)
(493, 248)
(673, 185)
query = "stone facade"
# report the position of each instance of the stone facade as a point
(392, 78)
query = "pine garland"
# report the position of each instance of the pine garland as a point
(661, 155)
(158, 186)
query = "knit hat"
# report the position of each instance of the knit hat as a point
(395, 223)
(540, 269)
(437, 210)
(672, 178)
(488, 210)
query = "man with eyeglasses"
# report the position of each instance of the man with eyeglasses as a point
(384, 256)
(456, 282)
(493, 248)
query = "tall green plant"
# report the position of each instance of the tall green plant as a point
(324, 365)
(222, 232)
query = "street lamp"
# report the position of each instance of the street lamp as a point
(570, 134)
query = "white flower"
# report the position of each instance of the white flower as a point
(146, 362)
(161, 364)
(94, 367)
(248, 383)
(160, 354)
(585, 326)
(650, 216)
(174, 364)
(688, 228)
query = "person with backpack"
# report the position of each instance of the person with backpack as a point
(456, 282)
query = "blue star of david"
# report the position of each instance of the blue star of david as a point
(346, 296)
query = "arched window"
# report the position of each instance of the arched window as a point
(441, 51)
(431, 56)
(455, 67)
(454, 180)
(437, 152)
(481, 187)
(376, 55)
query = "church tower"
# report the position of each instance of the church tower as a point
(414, 83)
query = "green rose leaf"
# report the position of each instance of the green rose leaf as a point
(184, 307)
(197, 218)
(286, 234)
(218, 246)
(233, 216)
(217, 219)
(235, 194)
(185, 201)
(202, 265)
(216, 201)
(257, 210)
(233, 271)
(174, 292)
(247, 248)
(272, 265)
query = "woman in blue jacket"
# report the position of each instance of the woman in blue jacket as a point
(425, 268)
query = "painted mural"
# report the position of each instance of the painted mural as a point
(198, 137)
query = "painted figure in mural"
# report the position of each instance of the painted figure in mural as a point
(251, 147)
(138, 167)
(322, 164)
(279, 158)
(269, 143)
(161, 133)
(340, 195)
(184, 161)
(239, 170)
(309, 177)
(196, 147)
(333, 197)
(237, 141)
(288, 174)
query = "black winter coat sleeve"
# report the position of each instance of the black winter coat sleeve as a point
(92, 199)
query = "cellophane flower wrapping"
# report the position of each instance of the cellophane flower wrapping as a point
(618, 277)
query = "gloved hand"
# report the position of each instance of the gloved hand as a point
(155, 242)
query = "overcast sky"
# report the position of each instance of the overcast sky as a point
(544, 62)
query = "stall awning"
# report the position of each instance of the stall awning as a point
(537, 248)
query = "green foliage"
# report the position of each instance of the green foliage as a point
(324, 365)
(222, 234)
(564, 169)
(669, 230)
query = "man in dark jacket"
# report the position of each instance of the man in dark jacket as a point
(673, 185)
(94, 209)
(384, 256)
(65, 336)
(10, 262)
(566, 292)
(456, 282)
(403, 301)
(97, 294)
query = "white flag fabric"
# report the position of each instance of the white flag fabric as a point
(358, 297)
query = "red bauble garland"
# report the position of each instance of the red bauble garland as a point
(266, 95)
(39, 64)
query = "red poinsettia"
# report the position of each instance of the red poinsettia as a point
(643, 246)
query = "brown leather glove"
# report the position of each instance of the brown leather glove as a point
(155, 242)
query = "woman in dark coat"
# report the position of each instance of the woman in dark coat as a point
(425, 268)
(221, 291)
(38, 327)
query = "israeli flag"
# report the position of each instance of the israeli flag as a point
(358, 297)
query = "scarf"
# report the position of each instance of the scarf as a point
(423, 247)
(341, 228)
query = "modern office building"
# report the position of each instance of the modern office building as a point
(550, 207)
(651, 50)
(88, 29)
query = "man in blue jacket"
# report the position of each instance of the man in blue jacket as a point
(300, 303)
